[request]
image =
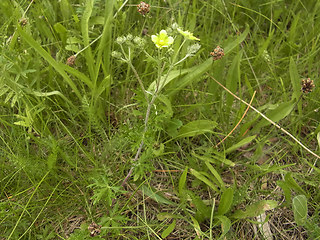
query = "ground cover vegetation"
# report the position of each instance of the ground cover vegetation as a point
(167, 119)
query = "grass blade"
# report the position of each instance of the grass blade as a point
(57, 66)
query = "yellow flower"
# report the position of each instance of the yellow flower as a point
(187, 34)
(162, 39)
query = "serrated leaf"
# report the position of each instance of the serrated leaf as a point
(300, 209)
(195, 128)
(169, 229)
(225, 201)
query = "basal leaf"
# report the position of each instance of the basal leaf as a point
(255, 209)
(193, 76)
(300, 209)
(157, 196)
(204, 179)
(182, 181)
(169, 229)
(276, 114)
(225, 201)
(215, 174)
(229, 47)
(196, 127)
(217, 157)
(225, 225)
(240, 144)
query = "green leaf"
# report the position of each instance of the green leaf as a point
(196, 225)
(225, 225)
(65, 9)
(218, 157)
(295, 79)
(300, 209)
(59, 28)
(182, 182)
(255, 209)
(225, 201)
(205, 180)
(196, 127)
(215, 174)
(167, 108)
(228, 48)
(86, 40)
(194, 75)
(57, 66)
(169, 229)
(293, 184)
(233, 79)
(283, 110)
(172, 126)
(286, 191)
(157, 196)
(78, 74)
(240, 144)
(165, 215)
(203, 211)
(164, 80)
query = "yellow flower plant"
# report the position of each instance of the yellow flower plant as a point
(162, 39)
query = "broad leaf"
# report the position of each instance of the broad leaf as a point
(276, 114)
(255, 209)
(240, 144)
(195, 128)
(300, 209)
(169, 229)
(225, 201)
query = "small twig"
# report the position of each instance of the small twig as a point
(265, 117)
(239, 121)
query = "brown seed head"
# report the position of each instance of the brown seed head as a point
(307, 85)
(143, 8)
(217, 53)
(71, 60)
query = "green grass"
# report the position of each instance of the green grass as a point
(71, 134)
